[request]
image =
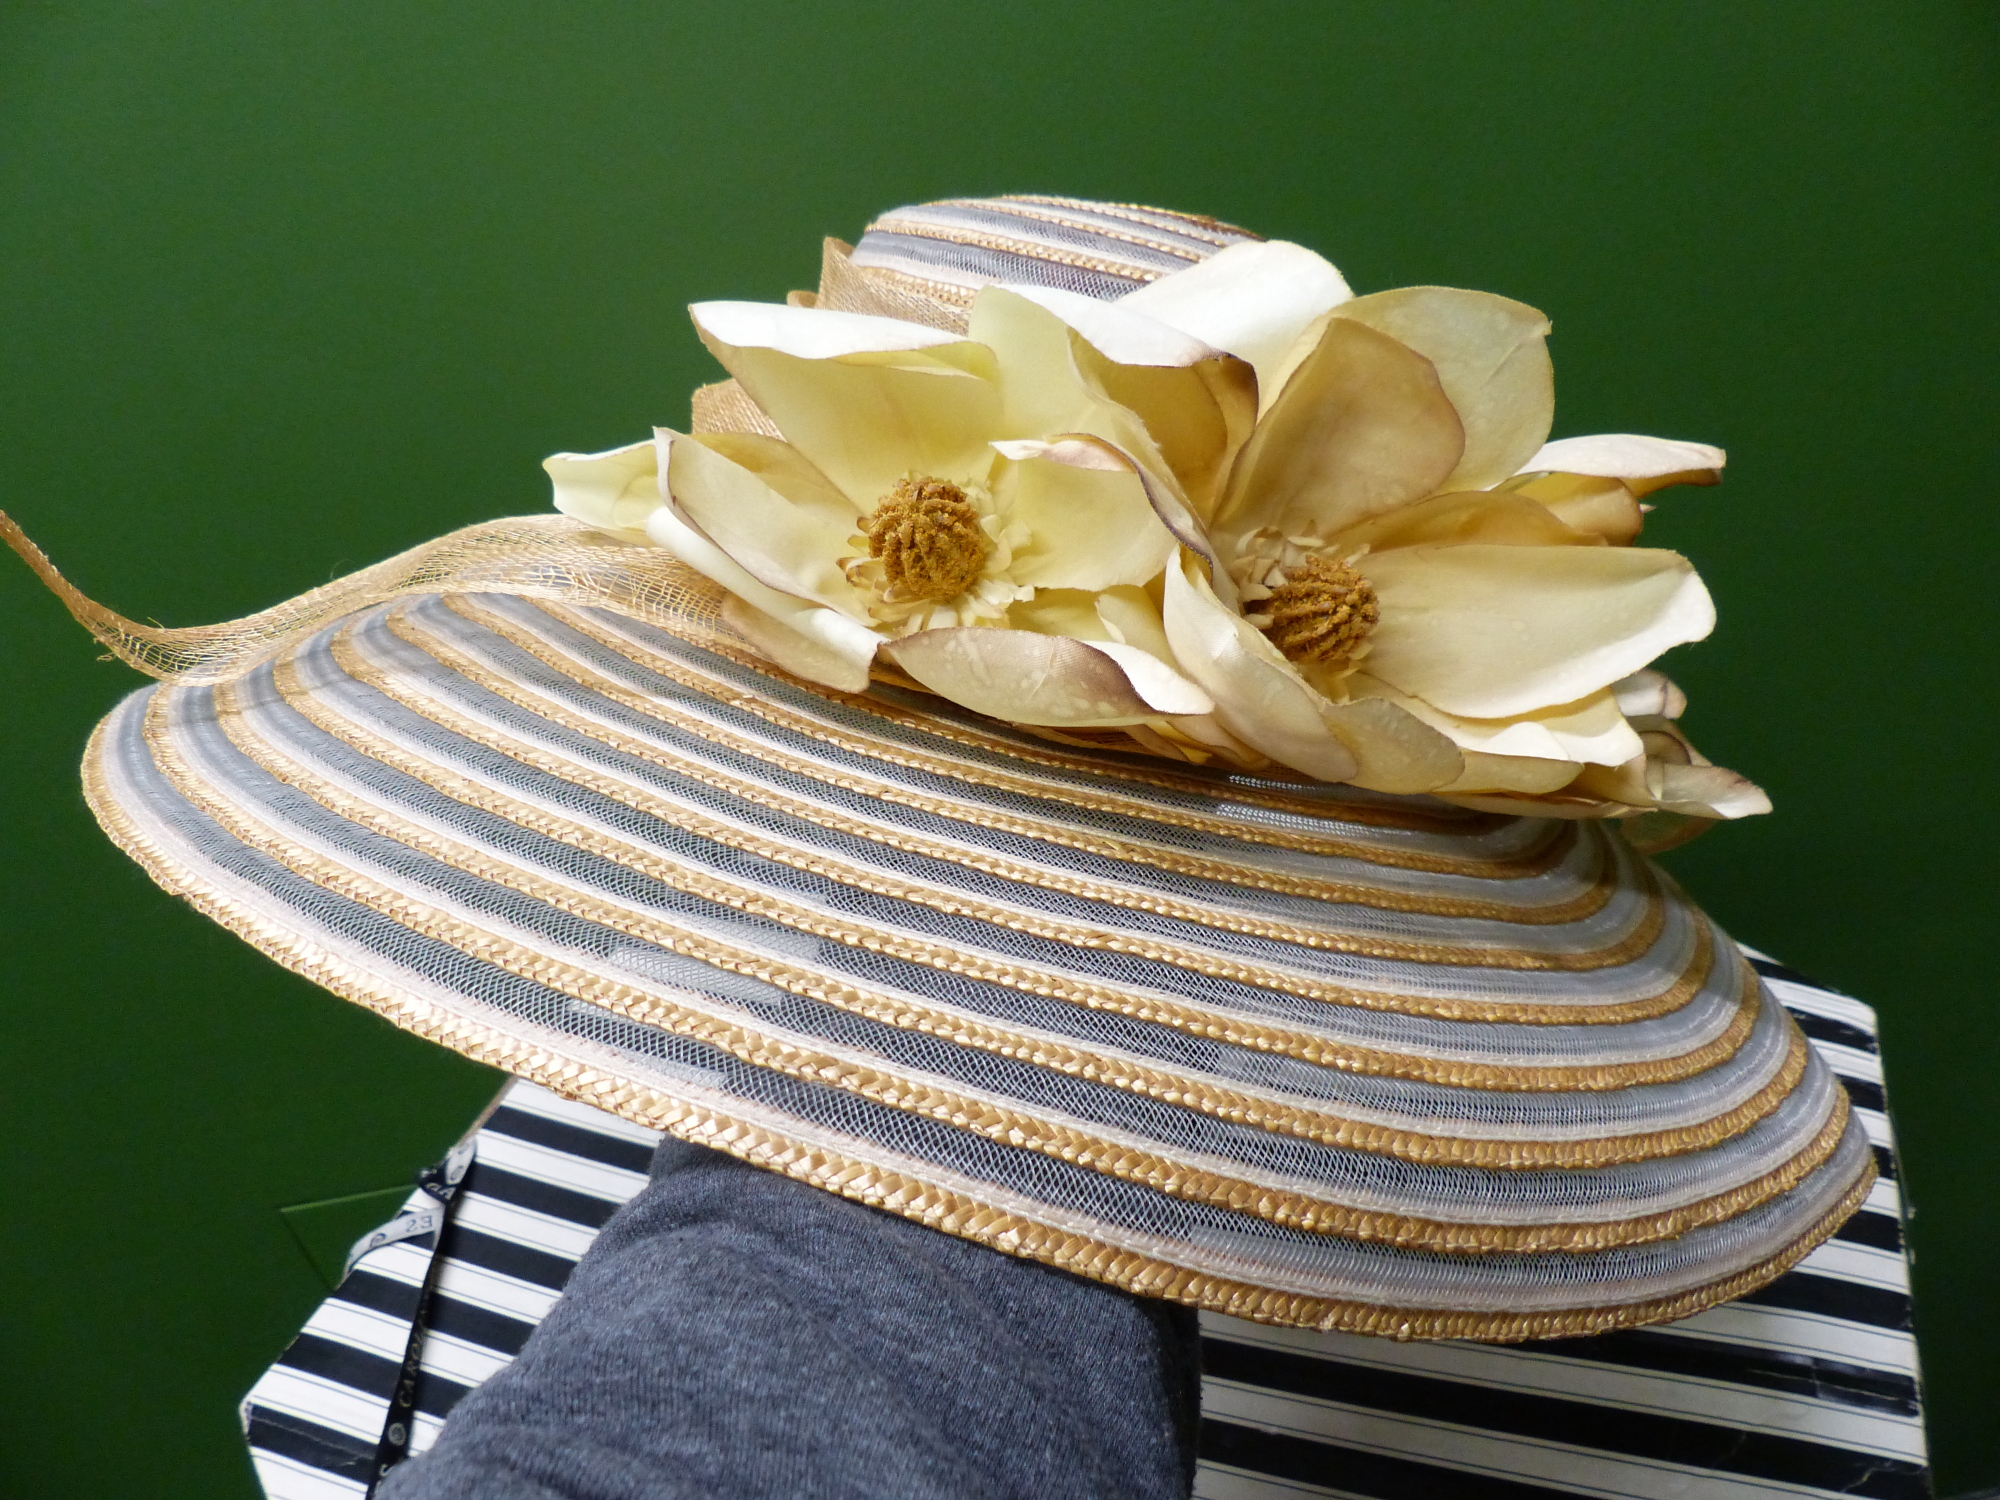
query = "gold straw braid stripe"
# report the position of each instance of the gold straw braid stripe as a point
(884, 1087)
(1216, 231)
(1536, 861)
(514, 810)
(1637, 941)
(934, 1206)
(984, 239)
(1189, 1019)
(1573, 909)
(1018, 207)
(901, 288)
(329, 719)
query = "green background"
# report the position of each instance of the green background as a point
(285, 288)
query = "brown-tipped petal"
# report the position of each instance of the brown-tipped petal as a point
(1672, 778)
(1589, 731)
(1199, 415)
(1706, 791)
(1492, 355)
(1361, 427)
(1026, 678)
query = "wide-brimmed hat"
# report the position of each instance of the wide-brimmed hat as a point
(1205, 1027)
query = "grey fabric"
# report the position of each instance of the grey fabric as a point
(733, 1335)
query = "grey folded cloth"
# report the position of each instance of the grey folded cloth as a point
(734, 1335)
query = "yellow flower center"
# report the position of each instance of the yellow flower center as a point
(927, 536)
(1320, 613)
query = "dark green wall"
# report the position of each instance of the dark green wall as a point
(284, 288)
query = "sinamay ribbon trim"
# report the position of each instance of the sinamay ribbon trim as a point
(551, 558)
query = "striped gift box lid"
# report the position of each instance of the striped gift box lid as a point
(1807, 1387)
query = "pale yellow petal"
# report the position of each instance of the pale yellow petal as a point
(1362, 427)
(1645, 463)
(1135, 455)
(1088, 528)
(1117, 330)
(869, 417)
(1597, 506)
(1493, 632)
(788, 545)
(1259, 698)
(1588, 731)
(1198, 416)
(1047, 394)
(1071, 612)
(1164, 690)
(1253, 300)
(1027, 678)
(1528, 776)
(1132, 617)
(1042, 390)
(810, 332)
(615, 490)
(1492, 355)
(785, 470)
(845, 637)
(1649, 694)
(800, 655)
(1500, 520)
(1393, 750)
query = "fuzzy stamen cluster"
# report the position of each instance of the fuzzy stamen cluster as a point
(926, 535)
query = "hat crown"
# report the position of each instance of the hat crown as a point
(1101, 250)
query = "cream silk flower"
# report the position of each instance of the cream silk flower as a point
(1401, 584)
(1240, 513)
(962, 506)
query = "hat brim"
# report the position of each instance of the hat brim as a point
(1287, 1051)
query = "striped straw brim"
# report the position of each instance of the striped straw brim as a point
(1288, 1051)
